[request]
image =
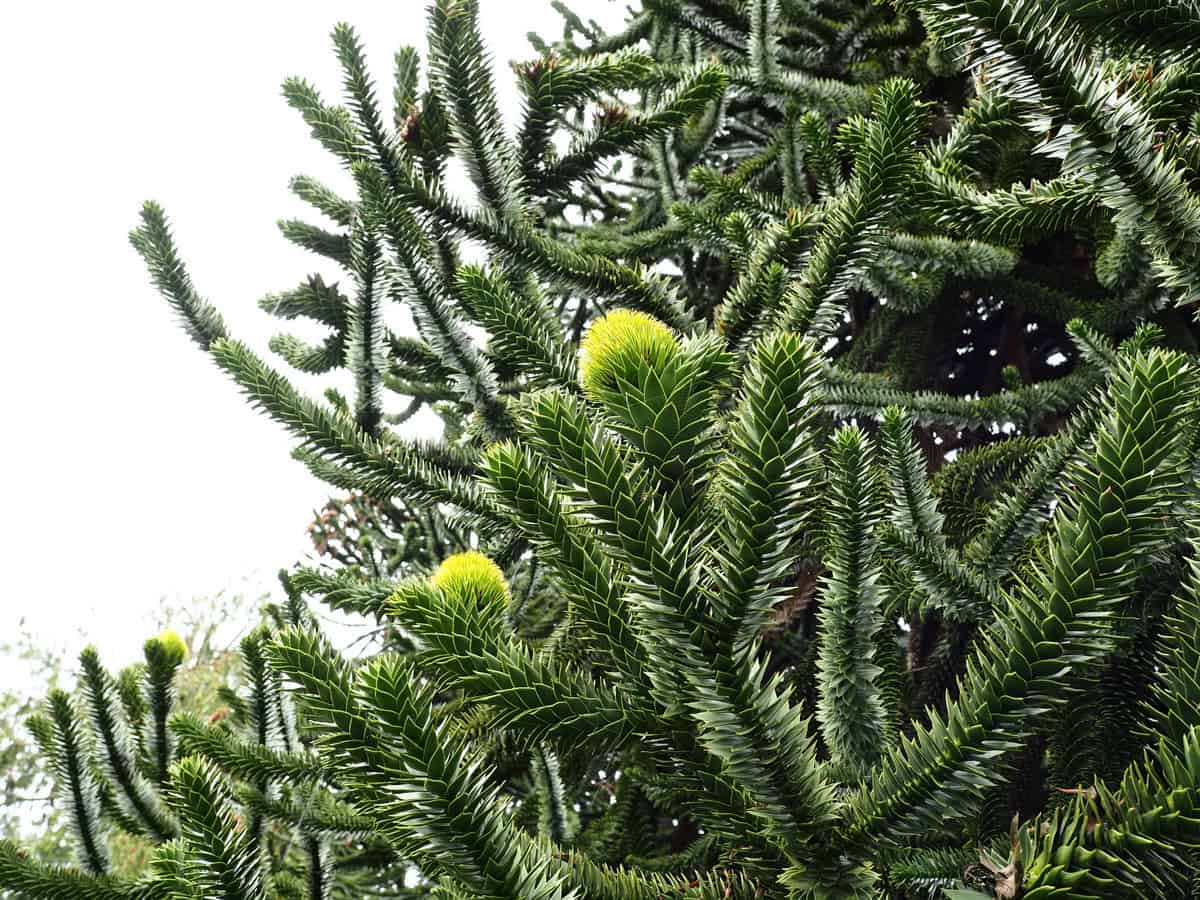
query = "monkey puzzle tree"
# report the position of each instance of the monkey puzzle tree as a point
(815, 517)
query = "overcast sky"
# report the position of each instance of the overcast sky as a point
(132, 468)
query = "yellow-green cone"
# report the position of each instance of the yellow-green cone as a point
(174, 646)
(470, 571)
(623, 334)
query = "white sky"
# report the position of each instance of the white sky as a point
(132, 468)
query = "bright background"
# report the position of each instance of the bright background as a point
(132, 468)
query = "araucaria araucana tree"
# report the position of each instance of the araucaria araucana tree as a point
(816, 512)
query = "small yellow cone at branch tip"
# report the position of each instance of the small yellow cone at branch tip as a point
(176, 649)
(470, 570)
(619, 332)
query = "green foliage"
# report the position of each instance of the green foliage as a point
(818, 464)
(851, 709)
(25, 816)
